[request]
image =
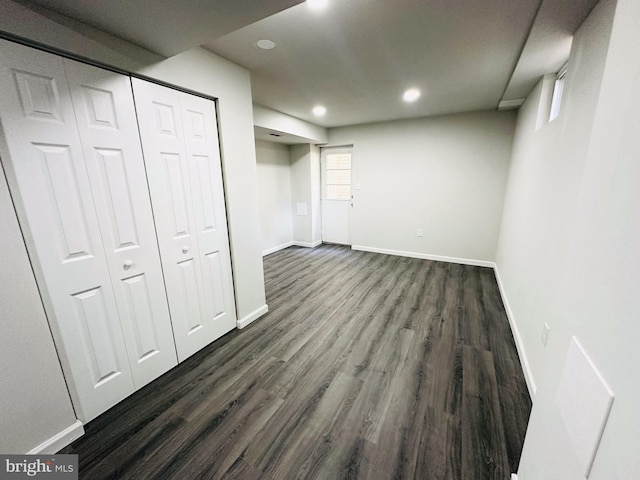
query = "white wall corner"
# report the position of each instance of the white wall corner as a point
(59, 440)
(524, 361)
(308, 244)
(514, 476)
(243, 322)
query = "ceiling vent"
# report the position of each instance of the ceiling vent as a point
(510, 104)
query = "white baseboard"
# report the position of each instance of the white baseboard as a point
(514, 476)
(278, 248)
(291, 244)
(307, 244)
(243, 322)
(60, 440)
(425, 256)
(526, 368)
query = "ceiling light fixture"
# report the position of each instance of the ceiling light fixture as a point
(266, 44)
(317, 4)
(411, 95)
(319, 110)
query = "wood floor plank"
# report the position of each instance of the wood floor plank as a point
(241, 470)
(515, 407)
(474, 324)
(288, 431)
(432, 448)
(367, 366)
(483, 451)
(220, 438)
(315, 442)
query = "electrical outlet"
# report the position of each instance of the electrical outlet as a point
(420, 232)
(545, 334)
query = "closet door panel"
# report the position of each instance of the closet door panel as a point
(160, 123)
(43, 158)
(179, 139)
(205, 172)
(106, 118)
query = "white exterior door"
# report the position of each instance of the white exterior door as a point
(43, 158)
(106, 117)
(336, 195)
(180, 144)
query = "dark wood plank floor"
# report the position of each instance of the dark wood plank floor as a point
(367, 366)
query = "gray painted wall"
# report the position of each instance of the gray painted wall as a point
(446, 175)
(34, 402)
(569, 247)
(274, 194)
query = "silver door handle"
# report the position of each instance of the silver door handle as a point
(185, 249)
(127, 265)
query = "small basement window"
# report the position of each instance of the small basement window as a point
(558, 89)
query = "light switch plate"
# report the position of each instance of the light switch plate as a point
(545, 334)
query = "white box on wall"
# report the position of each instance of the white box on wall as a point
(584, 400)
(301, 209)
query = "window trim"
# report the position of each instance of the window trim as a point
(558, 90)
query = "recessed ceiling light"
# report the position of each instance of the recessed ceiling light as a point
(319, 110)
(411, 95)
(266, 44)
(317, 4)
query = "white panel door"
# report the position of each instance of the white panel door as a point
(207, 193)
(337, 199)
(44, 162)
(180, 145)
(106, 117)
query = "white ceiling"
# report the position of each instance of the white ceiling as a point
(357, 57)
(167, 27)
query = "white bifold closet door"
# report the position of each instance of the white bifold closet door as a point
(73, 160)
(182, 157)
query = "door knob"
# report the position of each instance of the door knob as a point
(185, 249)
(127, 265)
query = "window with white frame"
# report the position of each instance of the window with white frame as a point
(338, 176)
(558, 89)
